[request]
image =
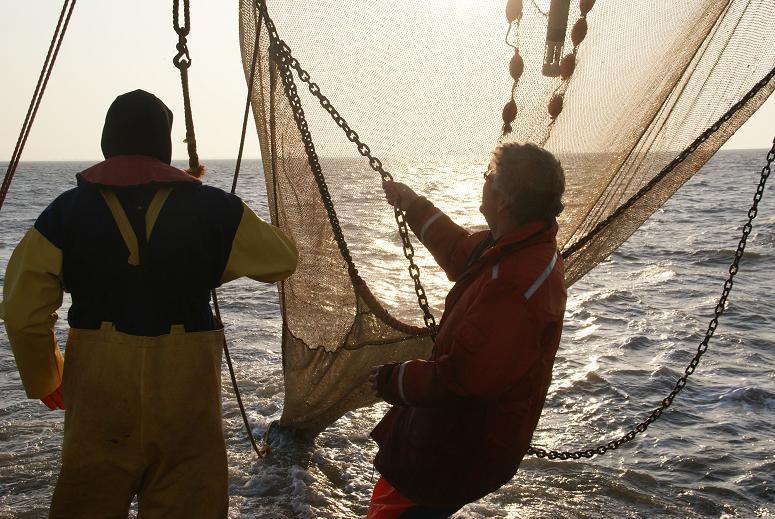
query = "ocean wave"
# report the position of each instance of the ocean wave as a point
(764, 232)
(665, 373)
(591, 299)
(706, 257)
(751, 398)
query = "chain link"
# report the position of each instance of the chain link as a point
(287, 63)
(701, 349)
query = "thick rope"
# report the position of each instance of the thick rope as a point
(182, 62)
(40, 88)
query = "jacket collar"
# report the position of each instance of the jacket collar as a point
(527, 235)
(133, 170)
(530, 233)
(524, 236)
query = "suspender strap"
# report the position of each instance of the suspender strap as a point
(155, 208)
(124, 227)
(122, 221)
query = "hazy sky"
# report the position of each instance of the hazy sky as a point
(113, 47)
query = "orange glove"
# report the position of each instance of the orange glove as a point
(54, 400)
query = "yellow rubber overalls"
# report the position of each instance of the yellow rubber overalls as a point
(143, 416)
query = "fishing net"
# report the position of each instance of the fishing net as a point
(640, 101)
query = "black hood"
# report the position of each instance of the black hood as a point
(138, 123)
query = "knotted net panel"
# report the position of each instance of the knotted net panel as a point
(424, 84)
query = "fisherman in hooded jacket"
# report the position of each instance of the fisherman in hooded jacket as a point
(139, 244)
(462, 420)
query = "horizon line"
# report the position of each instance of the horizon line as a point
(183, 159)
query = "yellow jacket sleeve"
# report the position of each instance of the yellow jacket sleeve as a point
(260, 251)
(31, 295)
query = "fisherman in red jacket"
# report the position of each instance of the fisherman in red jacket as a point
(462, 420)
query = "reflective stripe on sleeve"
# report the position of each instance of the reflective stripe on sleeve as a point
(428, 223)
(540, 281)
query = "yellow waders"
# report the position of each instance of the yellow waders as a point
(143, 417)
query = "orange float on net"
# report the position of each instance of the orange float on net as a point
(516, 66)
(579, 32)
(555, 106)
(567, 65)
(586, 6)
(509, 114)
(514, 10)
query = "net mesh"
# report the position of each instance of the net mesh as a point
(423, 83)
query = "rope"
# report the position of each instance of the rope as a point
(247, 106)
(701, 349)
(40, 88)
(264, 449)
(182, 62)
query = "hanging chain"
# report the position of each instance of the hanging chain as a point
(282, 55)
(701, 349)
(182, 62)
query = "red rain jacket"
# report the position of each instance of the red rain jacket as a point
(462, 420)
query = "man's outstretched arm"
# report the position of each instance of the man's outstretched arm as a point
(260, 251)
(449, 243)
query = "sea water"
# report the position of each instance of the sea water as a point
(632, 324)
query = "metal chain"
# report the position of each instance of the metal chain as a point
(182, 62)
(184, 30)
(701, 349)
(670, 167)
(286, 64)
